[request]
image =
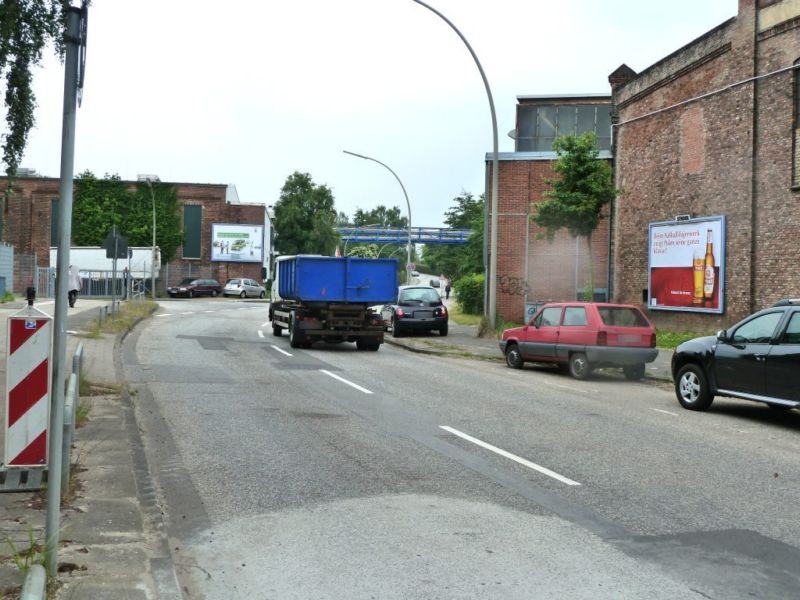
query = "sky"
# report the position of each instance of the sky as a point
(246, 92)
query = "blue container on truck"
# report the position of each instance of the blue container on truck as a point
(337, 279)
(331, 299)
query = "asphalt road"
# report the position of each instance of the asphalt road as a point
(332, 473)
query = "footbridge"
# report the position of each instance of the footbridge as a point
(399, 235)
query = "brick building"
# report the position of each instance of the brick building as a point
(713, 130)
(31, 228)
(531, 270)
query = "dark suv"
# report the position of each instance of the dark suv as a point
(191, 287)
(757, 359)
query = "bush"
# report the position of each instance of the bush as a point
(469, 293)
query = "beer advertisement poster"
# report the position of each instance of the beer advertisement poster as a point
(687, 265)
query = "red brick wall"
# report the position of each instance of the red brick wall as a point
(551, 267)
(27, 227)
(695, 159)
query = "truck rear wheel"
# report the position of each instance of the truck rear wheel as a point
(295, 335)
(276, 330)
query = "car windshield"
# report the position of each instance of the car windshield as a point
(419, 295)
(622, 316)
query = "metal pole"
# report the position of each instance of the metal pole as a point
(72, 39)
(492, 275)
(153, 261)
(408, 205)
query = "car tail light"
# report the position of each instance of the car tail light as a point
(652, 340)
(442, 311)
(400, 312)
(602, 338)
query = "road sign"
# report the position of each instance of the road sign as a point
(29, 349)
(116, 245)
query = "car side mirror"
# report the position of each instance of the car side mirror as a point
(722, 336)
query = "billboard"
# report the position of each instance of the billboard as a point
(237, 243)
(686, 265)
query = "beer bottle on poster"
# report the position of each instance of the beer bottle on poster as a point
(699, 271)
(710, 275)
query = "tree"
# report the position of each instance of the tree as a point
(380, 215)
(458, 261)
(26, 27)
(102, 203)
(305, 217)
(577, 197)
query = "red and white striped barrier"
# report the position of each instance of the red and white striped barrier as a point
(28, 376)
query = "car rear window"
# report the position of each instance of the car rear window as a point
(622, 316)
(419, 295)
(233, 282)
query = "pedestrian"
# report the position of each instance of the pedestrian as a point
(75, 282)
(447, 289)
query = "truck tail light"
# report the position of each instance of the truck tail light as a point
(602, 338)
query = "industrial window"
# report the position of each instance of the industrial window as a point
(796, 157)
(192, 220)
(54, 222)
(539, 126)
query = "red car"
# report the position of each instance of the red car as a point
(581, 336)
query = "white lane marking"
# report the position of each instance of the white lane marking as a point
(265, 323)
(164, 315)
(666, 412)
(514, 457)
(282, 351)
(70, 332)
(343, 380)
(260, 334)
(209, 311)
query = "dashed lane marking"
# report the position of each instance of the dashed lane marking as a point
(343, 380)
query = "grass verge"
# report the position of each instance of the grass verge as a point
(463, 318)
(124, 319)
(669, 340)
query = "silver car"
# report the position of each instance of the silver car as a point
(244, 288)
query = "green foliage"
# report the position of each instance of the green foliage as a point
(25, 558)
(363, 251)
(469, 293)
(7, 297)
(26, 27)
(305, 217)
(380, 215)
(101, 203)
(577, 197)
(670, 339)
(457, 261)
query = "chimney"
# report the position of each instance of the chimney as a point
(620, 77)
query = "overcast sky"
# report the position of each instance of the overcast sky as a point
(246, 92)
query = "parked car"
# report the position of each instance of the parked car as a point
(191, 287)
(418, 308)
(435, 283)
(582, 336)
(244, 288)
(756, 359)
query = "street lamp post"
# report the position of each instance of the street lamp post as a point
(492, 309)
(153, 257)
(408, 205)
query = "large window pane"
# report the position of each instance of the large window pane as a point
(192, 220)
(604, 121)
(586, 119)
(547, 121)
(544, 144)
(565, 121)
(526, 121)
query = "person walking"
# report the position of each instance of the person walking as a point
(447, 288)
(74, 280)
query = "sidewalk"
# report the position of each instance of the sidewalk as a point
(111, 541)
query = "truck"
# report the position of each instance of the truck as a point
(332, 299)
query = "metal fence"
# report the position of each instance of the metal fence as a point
(95, 284)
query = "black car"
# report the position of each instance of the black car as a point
(757, 359)
(418, 308)
(191, 287)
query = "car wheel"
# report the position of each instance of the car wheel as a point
(691, 388)
(514, 357)
(214, 293)
(243, 295)
(277, 330)
(579, 366)
(294, 334)
(396, 332)
(262, 295)
(443, 331)
(633, 372)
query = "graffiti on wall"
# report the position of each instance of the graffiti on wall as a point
(512, 286)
